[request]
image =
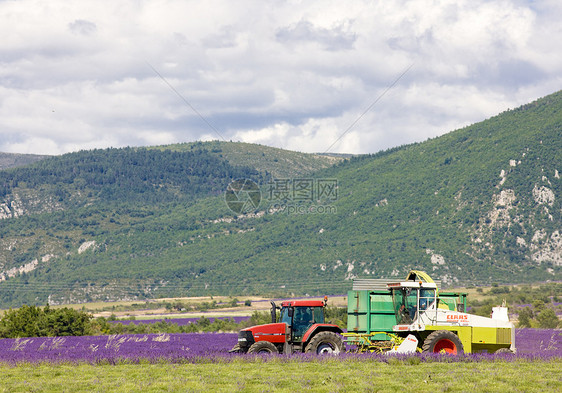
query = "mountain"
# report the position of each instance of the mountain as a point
(14, 160)
(476, 206)
(269, 161)
(50, 210)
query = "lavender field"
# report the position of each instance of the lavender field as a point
(545, 342)
(212, 347)
(114, 348)
(177, 321)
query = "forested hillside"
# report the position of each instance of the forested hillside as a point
(121, 175)
(138, 199)
(479, 205)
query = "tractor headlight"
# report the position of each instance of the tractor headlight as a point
(245, 339)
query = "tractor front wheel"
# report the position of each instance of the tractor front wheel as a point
(235, 349)
(263, 347)
(325, 343)
(443, 341)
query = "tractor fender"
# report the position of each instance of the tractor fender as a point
(320, 327)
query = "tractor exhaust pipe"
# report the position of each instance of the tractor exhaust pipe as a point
(273, 312)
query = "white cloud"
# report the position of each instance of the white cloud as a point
(292, 74)
(83, 27)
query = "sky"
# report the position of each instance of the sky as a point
(311, 76)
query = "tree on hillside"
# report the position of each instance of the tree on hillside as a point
(525, 317)
(547, 319)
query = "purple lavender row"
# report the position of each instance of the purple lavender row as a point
(555, 304)
(114, 348)
(538, 341)
(177, 321)
(203, 347)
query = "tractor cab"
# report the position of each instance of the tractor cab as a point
(299, 328)
(300, 315)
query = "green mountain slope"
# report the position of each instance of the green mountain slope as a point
(270, 161)
(13, 160)
(478, 205)
(116, 176)
(134, 198)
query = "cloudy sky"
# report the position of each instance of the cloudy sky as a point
(312, 76)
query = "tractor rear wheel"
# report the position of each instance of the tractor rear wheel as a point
(263, 347)
(325, 343)
(443, 341)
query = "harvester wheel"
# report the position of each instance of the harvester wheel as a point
(263, 347)
(325, 343)
(443, 341)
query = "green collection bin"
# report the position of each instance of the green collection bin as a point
(370, 311)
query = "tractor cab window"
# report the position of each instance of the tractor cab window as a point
(303, 318)
(303, 315)
(405, 305)
(285, 317)
(318, 314)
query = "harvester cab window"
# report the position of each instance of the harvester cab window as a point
(427, 297)
(405, 304)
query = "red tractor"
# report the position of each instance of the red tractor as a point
(301, 328)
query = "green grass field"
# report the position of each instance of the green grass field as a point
(279, 375)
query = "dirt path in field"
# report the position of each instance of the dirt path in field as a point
(257, 304)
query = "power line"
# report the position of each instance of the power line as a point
(370, 107)
(186, 101)
(61, 287)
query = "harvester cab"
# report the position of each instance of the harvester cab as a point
(301, 328)
(412, 298)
